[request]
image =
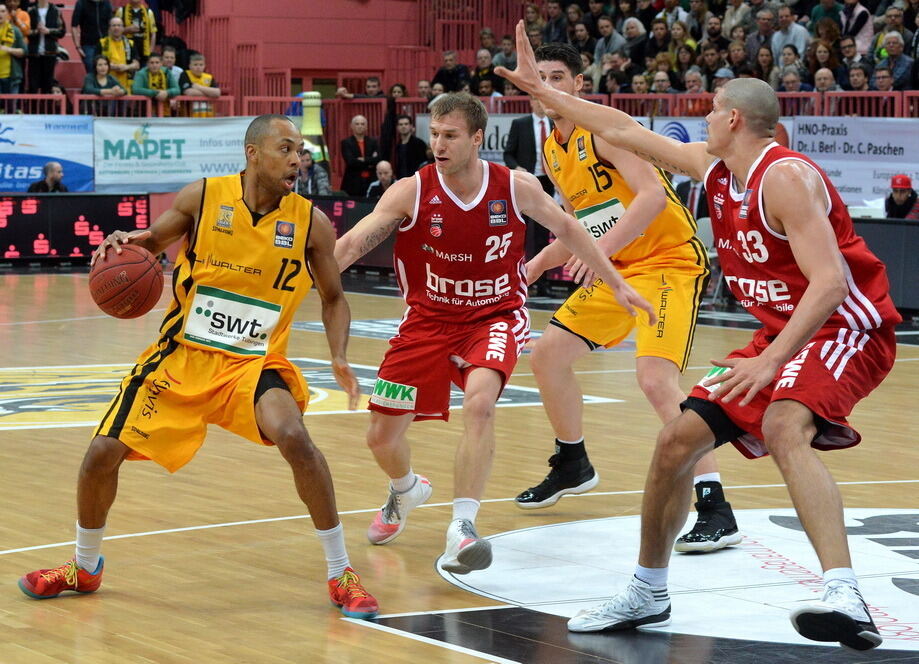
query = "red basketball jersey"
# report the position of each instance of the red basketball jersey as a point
(459, 262)
(758, 263)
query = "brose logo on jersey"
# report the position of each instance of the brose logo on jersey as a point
(761, 291)
(449, 291)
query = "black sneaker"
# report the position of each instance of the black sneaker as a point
(841, 616)
(572, 476)
(715, 525)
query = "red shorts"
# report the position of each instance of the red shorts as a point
(834, 371)
(427, 355)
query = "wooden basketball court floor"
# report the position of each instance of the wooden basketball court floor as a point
(218, 563)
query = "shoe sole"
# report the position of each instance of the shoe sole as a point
(472, 557)
(401, 527)
(708, 547)
(583, 487)
(360, 615)
(25, 590)
(819, 624)
(644, 623)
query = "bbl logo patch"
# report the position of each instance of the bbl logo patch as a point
(437, 222)
(497, 213)
(582, 151)
(555, 166)
(284, 234)
(745, 206)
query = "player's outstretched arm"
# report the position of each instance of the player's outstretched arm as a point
(336, 314)
(397, 203)
(613, 126)
(169, 227)
(795, 201)
(535, 203)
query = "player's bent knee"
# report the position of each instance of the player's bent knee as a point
(104, 455)
(293, 439)
(783, 435)
(674, 447)
(478, 408)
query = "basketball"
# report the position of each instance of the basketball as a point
(126, 285)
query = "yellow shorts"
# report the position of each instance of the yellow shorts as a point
(673, 283)
(174, 391)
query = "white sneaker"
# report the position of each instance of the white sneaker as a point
(639, 605)
(466, 551)
(841, 616)
(390, 520)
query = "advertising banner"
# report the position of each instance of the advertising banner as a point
(860, 155)
(28, 142)
(165, 154)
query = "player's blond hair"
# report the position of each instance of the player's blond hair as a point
(462, 102)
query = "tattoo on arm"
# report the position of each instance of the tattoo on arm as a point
(667, 166)
(375, 237)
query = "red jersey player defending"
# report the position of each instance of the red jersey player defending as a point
(791, 256)
(459, 260)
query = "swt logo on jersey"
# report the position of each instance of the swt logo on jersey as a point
(232, 322)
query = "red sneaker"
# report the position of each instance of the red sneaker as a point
(347, 593)
(48, 583)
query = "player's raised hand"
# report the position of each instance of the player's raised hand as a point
(114, 241)
(629, 298)
(526, 77)
(346, 379)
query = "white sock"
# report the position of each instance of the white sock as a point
(656, 577)
(570, 442)
(844, 574)
(707, 477)
(333, 543)
(465, 508)
(89, 543)
(403, 484)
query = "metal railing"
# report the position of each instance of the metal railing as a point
(128, 106)
(34, 104)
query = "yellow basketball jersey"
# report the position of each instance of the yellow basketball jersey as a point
(600, 196)
(238, 280)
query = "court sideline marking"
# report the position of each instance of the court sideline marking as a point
(249, 522)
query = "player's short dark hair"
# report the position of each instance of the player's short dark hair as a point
(565, 53)
(260, 127)
(465, 103)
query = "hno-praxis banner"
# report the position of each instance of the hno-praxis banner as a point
(28, 142)
(164, 154)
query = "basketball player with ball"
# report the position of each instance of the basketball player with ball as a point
(251, 250)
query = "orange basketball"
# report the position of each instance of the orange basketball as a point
(126, 285)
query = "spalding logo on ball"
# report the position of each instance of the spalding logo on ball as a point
(126, 285)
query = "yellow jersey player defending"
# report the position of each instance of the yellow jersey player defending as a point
(632, 210)
(251, 251)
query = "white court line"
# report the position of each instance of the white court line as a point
(64, 320)
(434, 642)
(438, 612)
(250, 522)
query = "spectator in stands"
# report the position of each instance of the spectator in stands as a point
(622, 67)
(711, 63)
(12, 51)
(694, 85)
(645, 11)
(714, 35)
(53, 180)
(510, 90)
(825, 81)
(685, 60)
(42, 48)
(169, 62)
(437, 89)
(791, 81)
(659, 41)
(822, 55)
(610, 41)
(765, 68)
(859, 77)
(532, 18)
(410, 150)
(595, 9)
(882, 80)
(383, 182)
(663, 63)
(828, 31)
(487, 89)
(573, 15)
(195, 82)
(900, 64)
(451, 75)
(484, 70)
(139, 27)
(535, 38)
(851, 56)
(738, 13)
(156, 82)
(423, 89)
(789, 32)
(101, 82)
(824, 9)
(893, 22)
(611, 85)
(722, 76)
(855, 22)
(488, 41)
(902, 203)
(373, 89)
(19, 17)
(738, 33)
(587, 87)
(312, 179)
(591, 71)
(791, 58)
(913, 52)
(660, 84)
(639, 85)
(120, 54)
(765, 29)
(635, 38)
(361, 153)
(582, 40)
(507, 56)
(89, 23)
(692, 195)
(737, 57)
(679, 36)
(697, 21)
(556, 28)
(398, 90)
(672, 12)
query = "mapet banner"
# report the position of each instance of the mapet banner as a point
(860, 155)
(28, 142)
(165, 154)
